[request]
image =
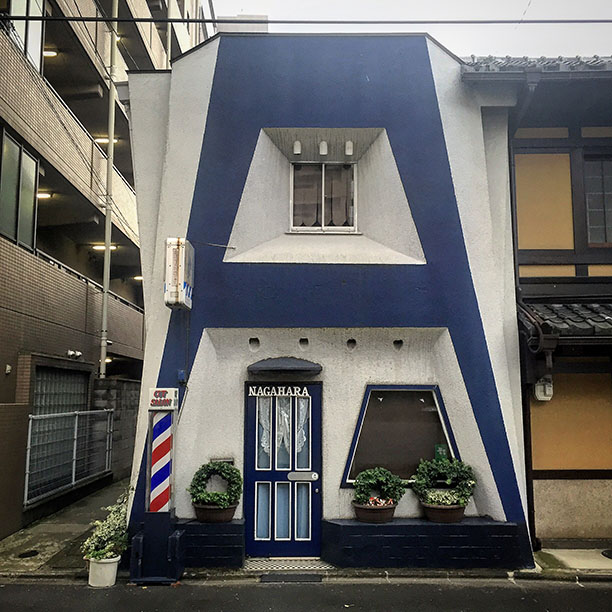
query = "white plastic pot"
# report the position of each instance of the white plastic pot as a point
(103, 572)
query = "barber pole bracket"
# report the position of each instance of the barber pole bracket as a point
(163, 404)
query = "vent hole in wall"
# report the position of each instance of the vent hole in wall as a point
(254, 344)
(397, 344)
(303, 342)
(351, 344)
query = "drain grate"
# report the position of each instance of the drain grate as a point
(285, 565)
(27, 554)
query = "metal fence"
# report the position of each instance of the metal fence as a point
(66, 449)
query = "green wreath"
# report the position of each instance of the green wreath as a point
(388, 485)
(222, 499)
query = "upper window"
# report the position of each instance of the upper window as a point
(598, 194)
(29, 34)
(396, 429)
(18, 172)
(323, 197)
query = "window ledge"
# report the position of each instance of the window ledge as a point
(307, 232)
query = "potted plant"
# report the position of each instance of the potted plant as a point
(103, 548)
(379, 508)
(444, 487)
(215, 506)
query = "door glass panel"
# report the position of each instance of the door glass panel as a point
(302, 511)
(26, 200)
(35, 33)
(262, 511)
(9, 187)
(19, 8)
(283, 433)
(283, 510)
(264, 420)
(302, 434)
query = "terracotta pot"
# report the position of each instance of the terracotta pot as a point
(443, 514)
(210, 513)
(374, 514)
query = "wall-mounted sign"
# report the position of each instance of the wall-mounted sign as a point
(278, 391)
(178, 281)
(163, 399)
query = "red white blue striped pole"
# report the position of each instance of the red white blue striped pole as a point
(162, 404)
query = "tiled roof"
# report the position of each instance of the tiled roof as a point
(538, 64)
(567, 319)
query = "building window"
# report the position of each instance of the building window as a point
(323, 197)
(397, 427)
(598, 195)
(18, 180)
(29, 34)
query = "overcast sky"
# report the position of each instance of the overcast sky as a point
(524, 39)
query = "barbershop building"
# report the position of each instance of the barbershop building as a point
(348, 199)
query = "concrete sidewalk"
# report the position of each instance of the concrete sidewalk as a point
(50, 548)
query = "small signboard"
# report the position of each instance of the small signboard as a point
(441, 451)
(163, 398)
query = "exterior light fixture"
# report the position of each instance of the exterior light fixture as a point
(49, 53)
(108, 360)
(137, 278)
(323, 148)
(348, 148)
(101, 247)
(105, 140)
(43, 195)
(297, 148)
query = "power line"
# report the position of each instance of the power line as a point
(52, 18)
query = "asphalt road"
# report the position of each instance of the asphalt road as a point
(394, 596)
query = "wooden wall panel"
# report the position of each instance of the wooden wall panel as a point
(544, 201)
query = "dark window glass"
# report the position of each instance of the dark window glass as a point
(307, 180)
(9, 187)
(27, 199)
(339, 196)
(598, 194)
(399, 429)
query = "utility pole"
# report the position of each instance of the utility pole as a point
(110, 156)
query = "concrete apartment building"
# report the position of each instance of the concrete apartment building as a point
(54, 85)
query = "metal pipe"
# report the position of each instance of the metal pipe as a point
(168, 38)
(108, 218)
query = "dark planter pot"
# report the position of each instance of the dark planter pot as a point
(443, 514)
(209, 513)
(374, 514)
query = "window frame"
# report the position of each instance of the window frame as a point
(323, 229)
(22, 151)
(347, 483)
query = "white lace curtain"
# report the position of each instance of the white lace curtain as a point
(283, 430)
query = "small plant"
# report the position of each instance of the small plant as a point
(222, 499)
(109, 538)
(390, 487)
(444, 482)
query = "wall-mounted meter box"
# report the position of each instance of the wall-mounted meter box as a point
(178, 283)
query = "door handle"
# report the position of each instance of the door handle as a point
(303, 476)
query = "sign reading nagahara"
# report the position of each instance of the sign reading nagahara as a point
(278, 391)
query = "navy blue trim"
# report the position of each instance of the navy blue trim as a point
(385, 82)
(346, 484)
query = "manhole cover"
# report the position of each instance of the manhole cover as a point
(27, 554)
(607, 553)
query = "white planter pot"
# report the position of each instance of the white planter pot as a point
(103, 572)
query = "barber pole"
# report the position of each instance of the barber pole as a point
(162, 440)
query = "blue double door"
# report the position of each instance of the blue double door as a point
(282, 484)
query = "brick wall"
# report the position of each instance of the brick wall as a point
(33, 110)
(44, 309)
(14, 434)
(122, 396)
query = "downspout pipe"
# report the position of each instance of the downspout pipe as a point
(110, 162)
